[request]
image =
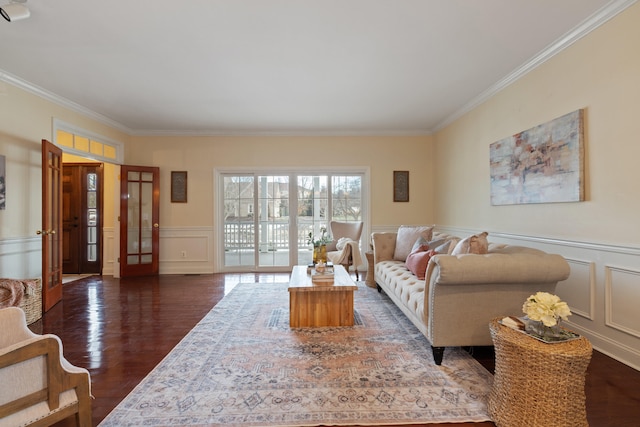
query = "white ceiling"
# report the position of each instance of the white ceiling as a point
(284, 66)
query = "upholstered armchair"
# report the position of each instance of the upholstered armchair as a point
(345, 247)
(38, 386)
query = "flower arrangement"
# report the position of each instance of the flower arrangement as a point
(323, 240)
(546, 308)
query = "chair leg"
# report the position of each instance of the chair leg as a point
(83, 416)
(357, 275)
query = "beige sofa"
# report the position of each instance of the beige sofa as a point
(460, 294)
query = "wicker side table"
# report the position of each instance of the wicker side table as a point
(537, 384)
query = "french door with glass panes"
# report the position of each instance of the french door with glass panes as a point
(268, 217)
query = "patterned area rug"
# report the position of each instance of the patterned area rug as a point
(242, 365)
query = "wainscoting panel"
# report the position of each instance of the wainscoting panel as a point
(109, 252)
(621, 299)
(21, 258)
(603, 289)
(186, 250)
(580, 288)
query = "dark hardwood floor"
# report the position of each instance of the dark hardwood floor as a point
(119, 329)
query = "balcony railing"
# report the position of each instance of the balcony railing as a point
(241, 235)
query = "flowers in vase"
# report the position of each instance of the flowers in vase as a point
(323, 240)
(546, 308)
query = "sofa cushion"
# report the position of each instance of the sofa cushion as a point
(417, 262)
(406, 287)
(475, 244)
(407, 236)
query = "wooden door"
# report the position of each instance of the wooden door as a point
(51, 231)
(139, 220)
(82, 218)
(71, 211)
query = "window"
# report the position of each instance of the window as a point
(287, 208)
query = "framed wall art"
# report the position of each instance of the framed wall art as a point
(400, 186)
(178, 187)
(544, 164)
(3, 187)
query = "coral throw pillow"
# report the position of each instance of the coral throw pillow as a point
(417, 262)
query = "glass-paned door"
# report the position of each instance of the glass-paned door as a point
(51, 225)
(273, 221)
(313, 205)
(139, 223)
(239, 223)
(256, 203)
(268, 217)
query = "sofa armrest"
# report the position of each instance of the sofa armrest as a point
(513, 265)
(384, 245)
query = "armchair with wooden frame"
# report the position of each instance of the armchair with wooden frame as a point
(39, 387)
(345, 246)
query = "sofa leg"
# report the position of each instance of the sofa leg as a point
(379, 288)
(438, 354)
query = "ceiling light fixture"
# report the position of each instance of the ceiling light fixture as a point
(15, 11)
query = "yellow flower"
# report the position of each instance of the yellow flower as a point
(546, 308)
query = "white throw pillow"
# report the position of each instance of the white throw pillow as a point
(407, 236)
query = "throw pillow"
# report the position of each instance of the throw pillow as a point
(417, 262)
(475, 244)
(407, 236)
(446, 247)
(420, 243)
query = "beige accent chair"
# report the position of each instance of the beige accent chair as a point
(345, 247)
(39, 387)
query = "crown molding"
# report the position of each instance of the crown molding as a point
(591, 23)
(283, 133)
(59, 100)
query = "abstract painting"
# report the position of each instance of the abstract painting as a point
(544, 164)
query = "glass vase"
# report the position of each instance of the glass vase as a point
(547, 333)
(319, 254)
(323, 254)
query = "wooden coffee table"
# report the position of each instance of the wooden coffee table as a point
(315, 305)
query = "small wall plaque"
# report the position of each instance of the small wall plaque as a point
(178, 187)
(400, 186)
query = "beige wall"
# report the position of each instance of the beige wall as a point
(600, 73)
(26, 119)
(200, 155)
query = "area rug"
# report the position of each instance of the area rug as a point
(242, 365)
